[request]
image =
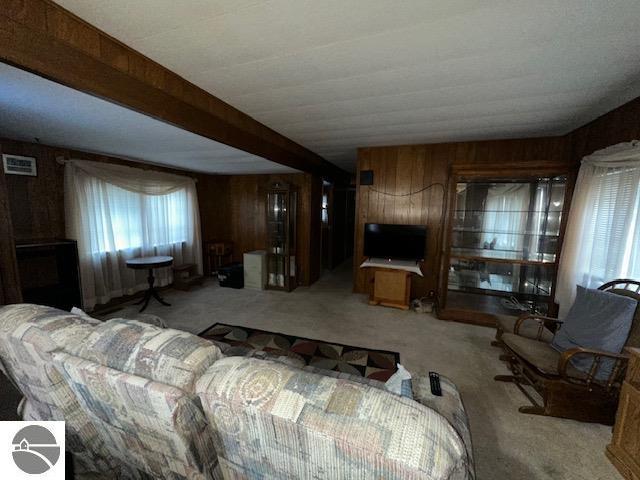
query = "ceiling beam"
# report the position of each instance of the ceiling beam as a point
(44, 38)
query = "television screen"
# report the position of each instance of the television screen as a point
(403, 242)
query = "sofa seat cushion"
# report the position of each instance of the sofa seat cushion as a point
(529, 328)
(538, 354)
(275, 421)
(168, 356)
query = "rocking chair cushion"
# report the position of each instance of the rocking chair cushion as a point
(540, 355)
(599, 320)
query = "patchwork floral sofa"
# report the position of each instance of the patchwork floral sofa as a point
(145, 402)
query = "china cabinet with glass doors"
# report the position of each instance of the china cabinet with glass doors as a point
(281, 237)
(502, 245)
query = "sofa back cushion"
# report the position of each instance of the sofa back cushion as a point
(152, 427)
(168, 356)
(271, 420)
(28, 335)
(598, 320)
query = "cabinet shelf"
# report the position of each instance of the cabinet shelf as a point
(507, 211)
(500, 232)
(503, 256)
(472, 281)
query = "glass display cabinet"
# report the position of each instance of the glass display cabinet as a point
(281, 237)
(503, 246)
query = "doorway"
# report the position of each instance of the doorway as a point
(338, 223)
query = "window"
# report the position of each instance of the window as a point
(131, 220)
(611, 240)
(117, 213)
(602, 240)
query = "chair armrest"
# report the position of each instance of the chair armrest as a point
(542, 322)
(617, 373)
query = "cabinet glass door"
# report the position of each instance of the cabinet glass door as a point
(504, 244)
(277, 235)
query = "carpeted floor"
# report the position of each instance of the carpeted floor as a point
(507, 445)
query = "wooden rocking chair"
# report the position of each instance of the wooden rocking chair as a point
(566, 391)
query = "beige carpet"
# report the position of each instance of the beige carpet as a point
(508, 445)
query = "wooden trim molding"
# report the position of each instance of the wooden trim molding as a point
(44, 38)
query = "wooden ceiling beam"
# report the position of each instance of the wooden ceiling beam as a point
(44, 38)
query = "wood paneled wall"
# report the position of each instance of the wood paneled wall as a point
(37, 203)
(234, 208)
(619, 125)
(9, 277)
(403, 170)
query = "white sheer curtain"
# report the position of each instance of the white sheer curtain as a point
(602, 241)
(117, 213)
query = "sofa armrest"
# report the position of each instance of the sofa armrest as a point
(449, 405)
(324, 427)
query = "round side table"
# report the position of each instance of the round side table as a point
(150, 263)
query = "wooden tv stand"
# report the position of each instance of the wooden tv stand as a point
(391, 283)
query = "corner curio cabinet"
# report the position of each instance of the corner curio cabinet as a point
(281, 237)
(502, 245)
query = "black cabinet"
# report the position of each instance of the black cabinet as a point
(49, 273)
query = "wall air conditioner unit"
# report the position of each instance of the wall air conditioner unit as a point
(19, 165)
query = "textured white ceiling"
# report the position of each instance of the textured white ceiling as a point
(32, 107)
(334, 75)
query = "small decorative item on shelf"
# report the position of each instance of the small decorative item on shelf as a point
(281, 237)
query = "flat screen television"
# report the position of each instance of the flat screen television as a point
(402, 242)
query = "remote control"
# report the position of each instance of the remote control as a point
(434, 378)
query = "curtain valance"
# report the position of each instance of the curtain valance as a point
(620, 155)
(148, 182)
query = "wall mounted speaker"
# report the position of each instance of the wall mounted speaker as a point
(366, 177)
